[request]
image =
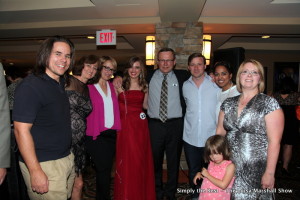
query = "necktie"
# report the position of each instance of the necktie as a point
(163, 107)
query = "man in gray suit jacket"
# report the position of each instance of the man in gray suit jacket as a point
(4, 128)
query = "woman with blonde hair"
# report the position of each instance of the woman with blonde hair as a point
(253, 124)
(102, 126)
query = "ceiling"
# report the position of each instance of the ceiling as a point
(232, 23)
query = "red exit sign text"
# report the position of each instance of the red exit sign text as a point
(106, 37)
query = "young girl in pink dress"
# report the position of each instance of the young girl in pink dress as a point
(218, 178)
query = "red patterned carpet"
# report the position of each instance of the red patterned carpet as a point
(288, 188)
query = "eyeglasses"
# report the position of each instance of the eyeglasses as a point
(163, 61)
(108, 69)
(253, 73)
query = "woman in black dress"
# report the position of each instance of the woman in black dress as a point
(80, 107)
(288, 99)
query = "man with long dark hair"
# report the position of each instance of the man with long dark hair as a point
(41, 118)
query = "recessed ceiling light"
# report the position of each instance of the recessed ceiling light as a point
(90, 37)
(265, 36)
(284, 1)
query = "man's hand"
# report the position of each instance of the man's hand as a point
(204, 172)
(198, 176)
(117, 82)
(39, 182)
(2, 175)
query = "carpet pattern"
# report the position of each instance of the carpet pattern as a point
(287, 187)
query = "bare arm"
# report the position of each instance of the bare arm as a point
(39, 180)
(274, 124)
(220, 128)
(117, 82)
(2, 174)
(145, 103)
(221, 183)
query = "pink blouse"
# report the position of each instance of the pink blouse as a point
(95, 121)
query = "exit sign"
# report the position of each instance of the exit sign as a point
(106, 37)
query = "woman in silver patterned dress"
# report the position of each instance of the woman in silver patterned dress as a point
(80, 106)
(253, 124)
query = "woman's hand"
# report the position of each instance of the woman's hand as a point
(267, 181)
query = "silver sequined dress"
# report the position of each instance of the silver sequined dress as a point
(248, 142)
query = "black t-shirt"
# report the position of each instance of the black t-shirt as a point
(42, 102)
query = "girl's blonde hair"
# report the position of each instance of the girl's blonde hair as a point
(216, 144)
(258, 65)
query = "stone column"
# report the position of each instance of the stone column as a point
(184, 37)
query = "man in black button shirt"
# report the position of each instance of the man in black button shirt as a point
(41, 118)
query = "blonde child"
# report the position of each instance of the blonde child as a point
(218, 179)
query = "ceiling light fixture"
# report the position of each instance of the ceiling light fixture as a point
(284, 1)
(90, 37)
(265, 36)
(150, 50)
(206, 48)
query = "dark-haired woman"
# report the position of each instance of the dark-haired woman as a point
(223, 78)
(288, 99)
(134, 178)
(80, 106)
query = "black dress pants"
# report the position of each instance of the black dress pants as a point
(195, 162)
(166, 138)
(102, 151)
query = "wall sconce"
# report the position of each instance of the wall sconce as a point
(150, 50)
(206, 48)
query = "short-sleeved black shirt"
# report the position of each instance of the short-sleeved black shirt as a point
(42, 101)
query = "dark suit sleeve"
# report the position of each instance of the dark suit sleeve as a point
(182, 76)
(149, 75)
(4, 123)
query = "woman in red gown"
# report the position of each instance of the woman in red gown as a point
(134, 178)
